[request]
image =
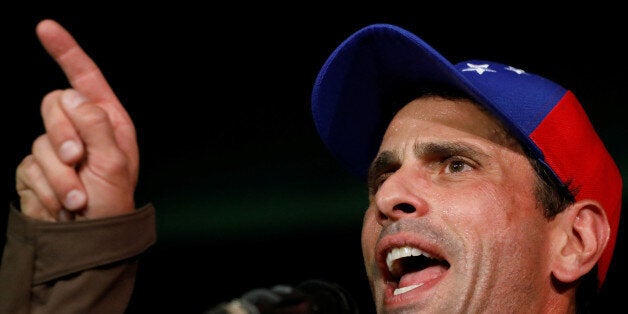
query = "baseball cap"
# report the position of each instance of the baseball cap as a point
(352, 105)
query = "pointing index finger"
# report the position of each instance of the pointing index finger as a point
(86, 78)
(81, 71)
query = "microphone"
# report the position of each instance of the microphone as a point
(310, 296)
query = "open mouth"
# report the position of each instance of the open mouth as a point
(410, 267)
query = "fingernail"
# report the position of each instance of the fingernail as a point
(71, 99)
(75, 199)
(69, 150)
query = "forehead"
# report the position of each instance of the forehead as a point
(456, 116)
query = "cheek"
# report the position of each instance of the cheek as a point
(498, 216)
(505, 195)
(491, 209)
(370, 233)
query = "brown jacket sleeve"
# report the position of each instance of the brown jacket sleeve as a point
(73, 267)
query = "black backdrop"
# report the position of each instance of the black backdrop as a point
(246, 194)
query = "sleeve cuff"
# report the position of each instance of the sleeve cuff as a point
(63, 248)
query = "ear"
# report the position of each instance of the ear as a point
(582, 234)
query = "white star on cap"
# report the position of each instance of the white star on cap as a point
(518, 71)
(480, 68)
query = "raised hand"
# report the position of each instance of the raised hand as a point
(86, 164)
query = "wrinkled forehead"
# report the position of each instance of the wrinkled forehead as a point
(459, 115)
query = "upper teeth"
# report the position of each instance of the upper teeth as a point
(400, 252)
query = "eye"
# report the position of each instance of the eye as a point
(455, 165)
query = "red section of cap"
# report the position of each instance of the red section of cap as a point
(578, 156)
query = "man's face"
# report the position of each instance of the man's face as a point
(449, 184)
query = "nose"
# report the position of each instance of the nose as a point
(401, 196)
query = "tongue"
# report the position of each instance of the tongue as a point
(421, 277)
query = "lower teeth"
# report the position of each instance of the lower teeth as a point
(406, 289)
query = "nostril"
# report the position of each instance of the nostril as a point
(405, 207)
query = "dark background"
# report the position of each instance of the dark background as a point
(246, 194)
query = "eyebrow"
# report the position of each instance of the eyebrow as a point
(422, 150)
(389, 161)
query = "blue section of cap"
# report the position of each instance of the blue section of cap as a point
(523, 98)
(354, 93)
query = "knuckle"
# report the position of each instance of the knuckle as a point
(93, 116)
(57, 126)
(27, 164)
(27, 170)
(39, 143)
(115, 163)
(28, 167)
(49, 201)
(29, 176)
(49, 101)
